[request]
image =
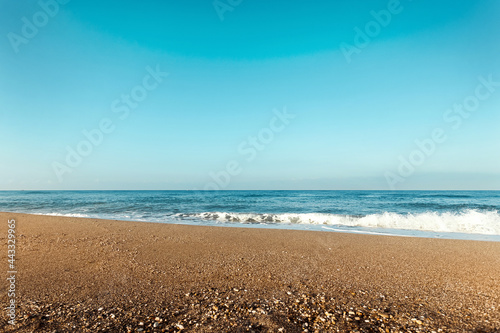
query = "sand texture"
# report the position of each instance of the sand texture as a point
(89, 275)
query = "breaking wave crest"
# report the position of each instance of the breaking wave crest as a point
(467, 221)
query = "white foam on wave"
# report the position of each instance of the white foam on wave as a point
(64, 215)
(467, 221)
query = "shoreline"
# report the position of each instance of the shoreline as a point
(209, 279)
(309, 227)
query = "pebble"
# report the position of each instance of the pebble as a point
(228, 310)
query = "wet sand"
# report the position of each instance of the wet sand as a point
(89, 275)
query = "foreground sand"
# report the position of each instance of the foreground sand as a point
(88, 275)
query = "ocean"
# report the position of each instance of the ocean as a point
(470, 215)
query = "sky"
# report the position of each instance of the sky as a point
(251, 94)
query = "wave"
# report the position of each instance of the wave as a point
(64, 215)
(467, 221)
(451, 196)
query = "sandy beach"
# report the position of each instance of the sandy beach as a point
(89, 275)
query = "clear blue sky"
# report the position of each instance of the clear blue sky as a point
(355, 120)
